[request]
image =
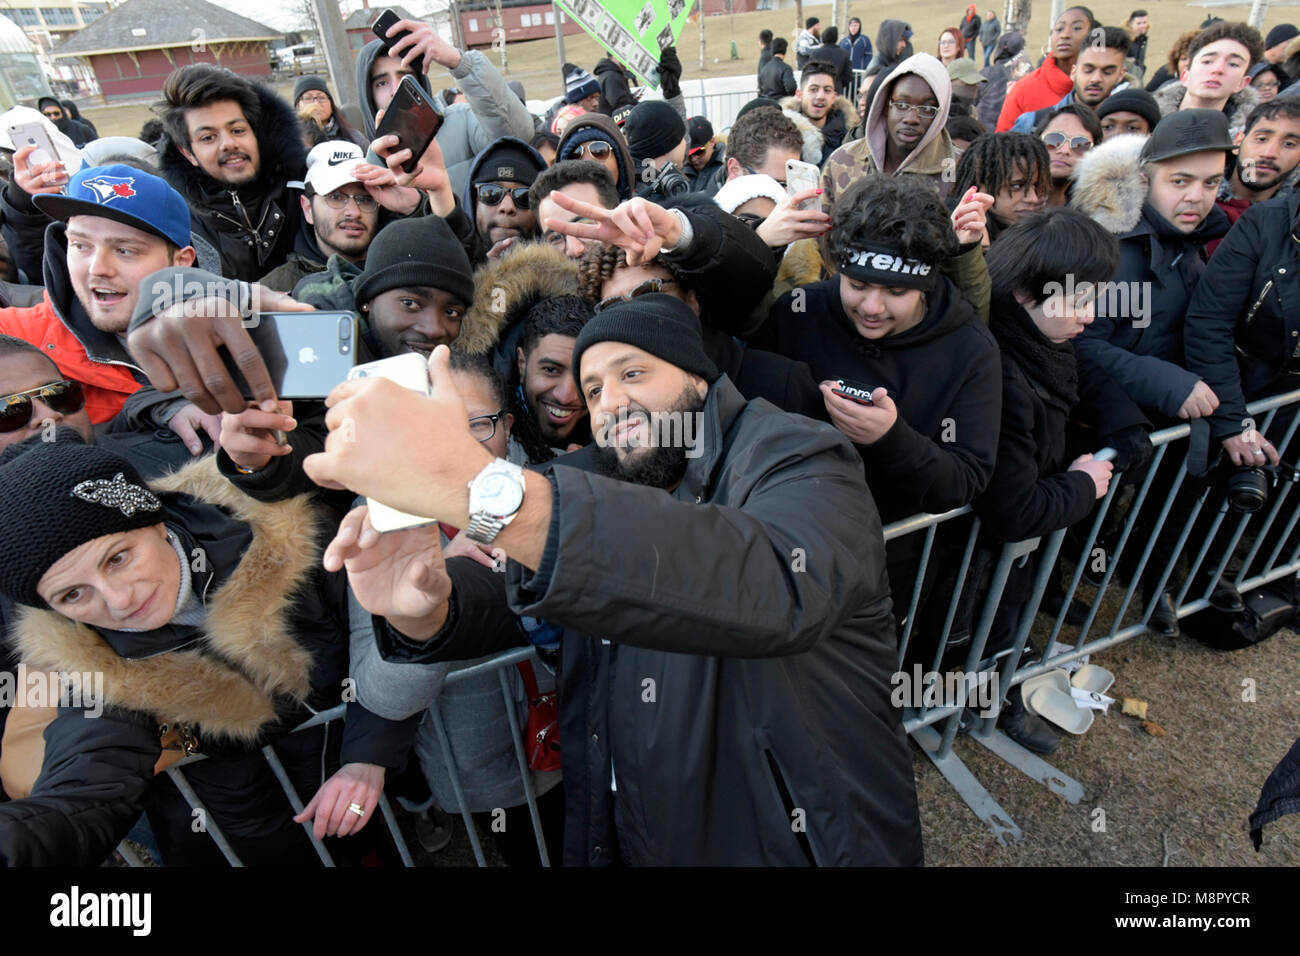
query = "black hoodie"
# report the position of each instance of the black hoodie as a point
(252, 226)
(944, 374)
(614, 88)
(891, 31)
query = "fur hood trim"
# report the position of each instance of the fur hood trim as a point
(506, 289)
(812, 136)
(1108, 183)
(247, 623)
(1170, 96)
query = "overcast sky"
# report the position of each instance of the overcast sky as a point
(288, 14)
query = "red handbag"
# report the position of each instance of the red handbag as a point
(542, 738)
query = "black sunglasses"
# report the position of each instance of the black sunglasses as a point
(64, 397)
(490, 194)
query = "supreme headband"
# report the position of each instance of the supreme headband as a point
(882, 265)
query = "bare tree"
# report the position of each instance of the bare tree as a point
(499, 36)
(1017, 17)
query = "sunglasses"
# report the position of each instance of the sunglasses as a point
(490, 194)
(1079, 144)
(65, 398)
(645, 288)
(596, 149)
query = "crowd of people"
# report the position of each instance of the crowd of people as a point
(673, 400)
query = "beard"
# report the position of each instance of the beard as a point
(655, 466)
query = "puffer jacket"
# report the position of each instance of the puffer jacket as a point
(828, 137)
(934, 156)
(492, 110)
(1043, 87)
(615, 90)
(273, 651)
(1142, 348)
(1243, 323)
(253, 226)
(711, 723)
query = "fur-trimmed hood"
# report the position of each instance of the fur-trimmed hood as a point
(226, 681)
(280, 147)
(1108, 183)
(504, 291)
(813, 140)
(1170, 96)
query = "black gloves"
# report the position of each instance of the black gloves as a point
(1132, 446)
(670, 73)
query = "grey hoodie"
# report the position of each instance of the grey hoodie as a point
(493, 110)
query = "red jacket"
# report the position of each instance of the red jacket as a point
(1234, 208)
(1043, 87)
(107, 383)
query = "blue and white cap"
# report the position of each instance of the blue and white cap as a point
(126, 195)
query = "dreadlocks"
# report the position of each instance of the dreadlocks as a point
(991, 161)
(600, 261)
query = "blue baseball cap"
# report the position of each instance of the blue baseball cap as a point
(126, 195)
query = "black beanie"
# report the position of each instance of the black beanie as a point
(1131, 101)
(49, 99)
(652, 129)
(508, 162)
(415, 252)
(757, 103)
(656, 322)
(309, 82)
(57, 495)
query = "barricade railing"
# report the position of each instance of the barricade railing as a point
(935, 726)
(502, 664)
(1163, 503)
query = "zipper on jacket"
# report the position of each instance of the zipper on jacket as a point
(790, 809)
(1250, 316)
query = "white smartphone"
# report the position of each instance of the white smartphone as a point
(33, 134)
(409, 371)
(801, 176)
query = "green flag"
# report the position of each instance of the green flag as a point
(634, 31)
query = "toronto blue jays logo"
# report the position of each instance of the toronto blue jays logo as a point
(108, 188)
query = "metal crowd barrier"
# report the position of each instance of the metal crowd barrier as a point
(936, 727)
(502, 664)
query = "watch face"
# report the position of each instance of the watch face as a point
(498, 494)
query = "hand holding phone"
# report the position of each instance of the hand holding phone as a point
(383, 28)
(40, 170)
(306, 353)
(413, 119)
(853, 391)
(800, 177)
(409, 371)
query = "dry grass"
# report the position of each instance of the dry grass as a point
(536, 65)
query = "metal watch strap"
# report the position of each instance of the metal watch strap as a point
(484, 527)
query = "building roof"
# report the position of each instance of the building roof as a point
(362, 18)
(152, 24)
(13, 39)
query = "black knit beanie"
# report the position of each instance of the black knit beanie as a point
(508, 162)
(415, 252)
(57, 495)
(659, 324)
(652, 129)
(310, 82)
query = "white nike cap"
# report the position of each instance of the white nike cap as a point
(331, 165)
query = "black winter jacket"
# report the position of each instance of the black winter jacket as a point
(839, 58)
(253, 226)
(1143, 354)
(944, 375)
(770, 689)
(1243, 324)
(274, 651)
(776, 79)
(614, 88)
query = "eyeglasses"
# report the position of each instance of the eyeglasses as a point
(490, 194)
(559, 239)
(1079, 144)
(313, 98)
(64, 397)
(364, 201)
(645, 288)
(596, 149)
(483, 427)
(902, 109)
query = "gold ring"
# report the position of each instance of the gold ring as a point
(357, 808)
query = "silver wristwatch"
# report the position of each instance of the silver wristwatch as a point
(495, 496)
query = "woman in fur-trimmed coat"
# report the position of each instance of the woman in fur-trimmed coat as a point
(216, 632)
